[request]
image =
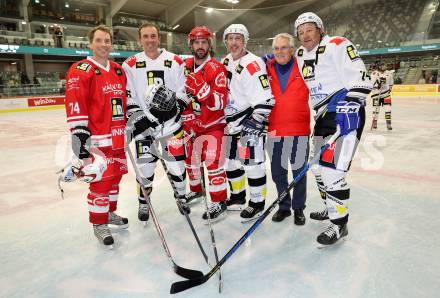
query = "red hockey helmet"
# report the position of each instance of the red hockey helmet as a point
(199, 32)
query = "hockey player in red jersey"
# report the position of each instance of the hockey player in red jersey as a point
(204, 120)
(96, 115)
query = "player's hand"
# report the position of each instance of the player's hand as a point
(196, 86)
(252, 130)
(347, 116)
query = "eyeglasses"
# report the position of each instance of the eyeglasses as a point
(283, 48)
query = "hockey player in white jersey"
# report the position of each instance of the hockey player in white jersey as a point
(156, 66)
(250, 102)
(338, 85)
(383, 81)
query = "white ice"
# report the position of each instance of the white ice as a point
(47, 247)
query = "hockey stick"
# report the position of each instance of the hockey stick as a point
(179, 205)
(184, 272)
(214, 246)
(186, 284)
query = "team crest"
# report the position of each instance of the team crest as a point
(118, 71)
(239, 68)
(300, 52)
(308, 69)
(97, 71)
(117, 110)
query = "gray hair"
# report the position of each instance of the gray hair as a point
(283, 35)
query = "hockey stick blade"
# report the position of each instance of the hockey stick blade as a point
(187, 273)
(183, 285)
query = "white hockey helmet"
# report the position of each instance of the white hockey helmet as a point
(238, 29)
(308, 17)
(159, 98)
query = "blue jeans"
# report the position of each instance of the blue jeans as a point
(282, 151)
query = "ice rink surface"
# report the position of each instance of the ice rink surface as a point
(47, 246)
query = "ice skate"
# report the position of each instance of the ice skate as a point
(332, 234)
(143, 212)
(216, 211)
(194, 197)
(252, 212)
(117, 221)
(319, 215)
(181, 204)
(102, 232)
(235, 200)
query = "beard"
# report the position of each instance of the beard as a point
(201, 54)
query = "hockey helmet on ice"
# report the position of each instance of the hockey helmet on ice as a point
(308, 17)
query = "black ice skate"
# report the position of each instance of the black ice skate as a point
(319, 215)
(252, 211)
(193, 197)
(332, 234)
(117, 221)
(236, 199)
(143, 212)
(389, 127)
(102, 232)
(181, 204)
(216, 211)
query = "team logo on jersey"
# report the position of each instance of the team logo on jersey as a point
(156, 77)
(117, 110)
(118, 71)
(239, 68)
(264, 82)
(141, 64)
(97, 71)
(226, 62)
(220, 80)
(167, 63)
(308, 69)
(352, 53)
(300, 52)
(84, 66)
(321, 50)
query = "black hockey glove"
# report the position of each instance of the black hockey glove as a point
(81, 142)
(253, 128)
(137, 125)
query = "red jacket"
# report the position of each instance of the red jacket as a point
(291, 114)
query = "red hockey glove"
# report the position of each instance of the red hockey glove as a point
(196, 86)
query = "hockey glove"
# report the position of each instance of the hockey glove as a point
(196, 86)
(253, 128)
(81, 142)
(347, 116)
(84, 170)
(267, 57)
(137, 125)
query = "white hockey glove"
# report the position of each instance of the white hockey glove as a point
(84, 169)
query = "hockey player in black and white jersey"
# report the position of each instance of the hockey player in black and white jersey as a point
(250, 102)
(338, 85)
(156, 66)
(383, 81)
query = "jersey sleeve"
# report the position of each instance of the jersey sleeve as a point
(78, 83)
(217, 80)
(351, 70)
(259, 95)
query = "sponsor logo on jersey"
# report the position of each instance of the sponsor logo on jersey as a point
(167, 63)
(226, 62)
(352, 53)
(218, 181)
(321, 49)
(155, 77)
(118, 131)
(143, 147)
(118, 71)
(300, 52)
(72, 83)
(141, 64)
(97, 71)
(113, 88)
(187, 71)
(117, 109)
(263, 81)
(84, 66)
(308, 70)
(253, 67)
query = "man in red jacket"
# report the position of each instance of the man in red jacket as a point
(289, 126)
